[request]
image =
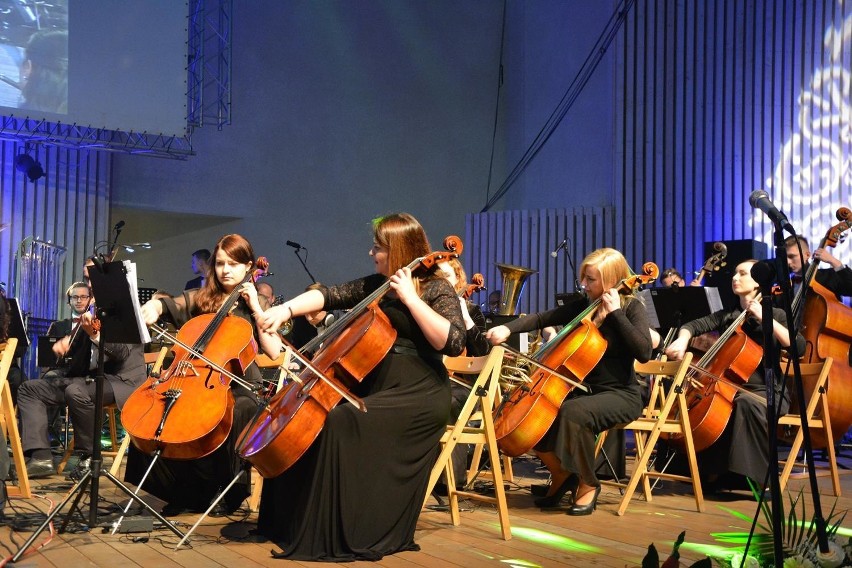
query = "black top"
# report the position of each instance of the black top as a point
(475, 341)
(626, 331)
(723, 319)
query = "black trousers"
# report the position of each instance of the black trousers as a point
(55, 389)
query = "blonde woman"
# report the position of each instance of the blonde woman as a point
(568, 449)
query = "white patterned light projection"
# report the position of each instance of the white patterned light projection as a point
(814, 173)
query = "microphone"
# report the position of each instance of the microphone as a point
(294, 245)
(561, 246)
(118, 226)
(759, 199)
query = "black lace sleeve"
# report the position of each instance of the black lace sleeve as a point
(441, 297)
(346, 296)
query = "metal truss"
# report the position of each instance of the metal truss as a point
(209, 56)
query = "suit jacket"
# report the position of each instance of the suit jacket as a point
(838, 281)
(124, 365)
(194, 283)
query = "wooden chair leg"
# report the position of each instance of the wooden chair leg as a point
(119, 456)
(256, 491)
(22, 489)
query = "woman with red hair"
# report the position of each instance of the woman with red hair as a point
(193, 484)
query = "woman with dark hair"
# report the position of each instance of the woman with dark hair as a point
(193, 484)
(743, 448)
(357, 492)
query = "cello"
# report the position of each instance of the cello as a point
(529, 410)
(827, 329)
(348, 350)
(187, 411)
(714, 381)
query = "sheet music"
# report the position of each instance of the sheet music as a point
(645, 295)
(713, 299)
(130, 271)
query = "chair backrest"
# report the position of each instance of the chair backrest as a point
(813, 375)
(465, 365)
(676, 370)
(7, 355)
(486, 367)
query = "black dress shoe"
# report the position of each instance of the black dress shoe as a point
(551, 501)
(40, 468)
(586, 509)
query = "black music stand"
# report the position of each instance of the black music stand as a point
(671, 307)
(120, 323)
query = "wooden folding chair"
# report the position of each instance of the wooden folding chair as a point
(475, 425)
(9, 422)
(818, 418)
(656, 419)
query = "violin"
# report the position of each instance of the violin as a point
(349, 349)
(96, 326)
(527, 413)
(477, 283)
(187, 411)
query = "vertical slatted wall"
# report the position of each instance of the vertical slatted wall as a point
(68, 207)
(526, 239)
(716, 99)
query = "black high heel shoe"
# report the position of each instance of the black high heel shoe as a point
(570, 484)
(586, 509)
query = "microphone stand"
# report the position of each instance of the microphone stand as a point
(771, 361)
(305, 266)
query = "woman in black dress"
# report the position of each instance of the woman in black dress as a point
(568, 449)
(357, 492)
(192, 484)
(749, 456)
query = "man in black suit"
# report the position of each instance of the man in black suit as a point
(200, 265)
(837, 278)
(124, 369)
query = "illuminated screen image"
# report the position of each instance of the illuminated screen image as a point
(117, 65)
(34, 55)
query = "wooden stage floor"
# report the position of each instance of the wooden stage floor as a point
(538, 538)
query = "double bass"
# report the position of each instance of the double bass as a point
(826, 325)
(187, 411)
(528, 412)
(348, 350)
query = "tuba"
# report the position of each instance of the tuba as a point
(514, 371)
(514, 280)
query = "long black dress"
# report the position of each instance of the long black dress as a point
(193, 484)
(357, 492)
